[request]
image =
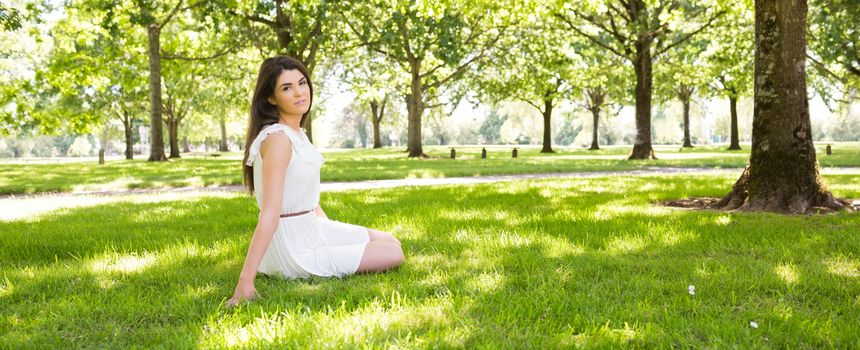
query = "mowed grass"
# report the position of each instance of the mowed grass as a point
(526, 264)
(389, 163)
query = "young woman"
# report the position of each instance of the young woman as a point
(293, 237)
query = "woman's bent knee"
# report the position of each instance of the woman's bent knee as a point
(376, 235)
(380, 256)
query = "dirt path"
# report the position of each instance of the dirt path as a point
(20, 206)
(371, 184)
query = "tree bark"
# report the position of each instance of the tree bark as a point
(735, 143)
(156, 150)
(185, 146)
(547, 126)
(687, 141)
(173, 130)
(782, 174)
(174, 117)
(642, 148)
(223, 146)
(415, 108)
(595, 98)
(595, 114)
(685, 93)
(129, 140)
(377, 110)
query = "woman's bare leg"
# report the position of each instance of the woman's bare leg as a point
(376, 235)
(383, 252)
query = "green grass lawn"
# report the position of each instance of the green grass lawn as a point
(356, 165)
(526, 264)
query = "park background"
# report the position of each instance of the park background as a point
(74, 76)
(572, 246)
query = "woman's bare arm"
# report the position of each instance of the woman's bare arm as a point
(276, 152)
(320, 212)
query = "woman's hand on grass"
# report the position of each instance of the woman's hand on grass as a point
(244, 291)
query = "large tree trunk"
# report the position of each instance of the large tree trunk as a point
(415, 108)
(642, 65)
(156, 150)
(223, 146)
(129, 140)
(595, 115)
(547, 126)
(735, 145)
(782, 174)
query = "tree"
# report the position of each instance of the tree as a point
(146, 18)
(374, 81)
(729, 58)
(227, 99)
(185, 83)
(536, 69)
(434, 43)
(681, 77)
(93, 75)
(491, 128)
(639, 31)
(181, 96)
(782, 174)
(599, 80)
(153, 16)
(27, 107)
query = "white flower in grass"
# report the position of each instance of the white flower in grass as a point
(753, 324)
(691, 289)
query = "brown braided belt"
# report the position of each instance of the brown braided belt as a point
(295, 214)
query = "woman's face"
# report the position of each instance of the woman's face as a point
(292, 93)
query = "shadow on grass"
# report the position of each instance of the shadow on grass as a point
(525, 264)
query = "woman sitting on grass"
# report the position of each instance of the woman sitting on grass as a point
(293, 237)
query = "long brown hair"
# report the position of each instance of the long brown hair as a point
(264, 113)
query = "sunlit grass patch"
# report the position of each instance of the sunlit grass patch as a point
(787, 272)
(587, 262)
(34, 208)
(843, 266)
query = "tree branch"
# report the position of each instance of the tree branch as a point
(462, 68)
(315, 32)
(172, 56)
(178, 8)
(372, 45)
(613, 31)
(821, 67)
(434, 105)
(689, 35)
(532, 104)
(382, 108)
(619, 12)
(171, 14)
(589, 37)
(252, 18)
(618, 37)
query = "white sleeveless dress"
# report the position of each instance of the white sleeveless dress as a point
(305, 245)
